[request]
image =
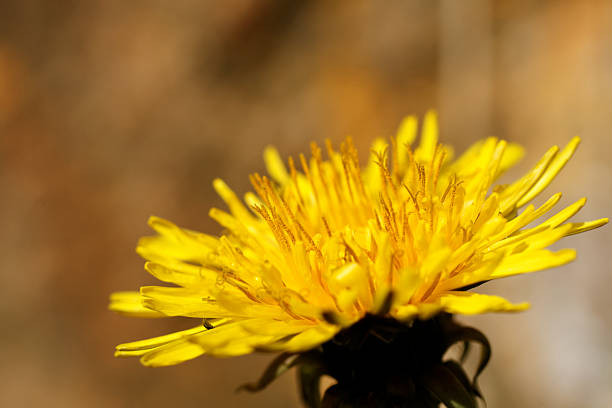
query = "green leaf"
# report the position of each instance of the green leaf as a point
(442, 383)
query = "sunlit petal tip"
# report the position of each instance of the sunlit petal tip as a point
(129, 303)
(580, 227)
(155, 221)
(274, 165)
(407, 131)
(431, 115)
(220, 186)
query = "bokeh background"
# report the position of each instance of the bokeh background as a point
(111, 111)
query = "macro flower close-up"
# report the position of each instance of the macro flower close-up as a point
(302, 204)
(324, 241)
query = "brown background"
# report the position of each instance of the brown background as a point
(111, 111)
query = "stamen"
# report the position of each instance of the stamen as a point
(329, 233)
(451, 182)
(422, 177)
(350, 250)
(436, 170)
(256, 181)
(414, 200)
(278, 233)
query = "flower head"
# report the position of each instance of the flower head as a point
(324, 242)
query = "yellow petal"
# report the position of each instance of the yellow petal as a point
(190, 302)
(429, 138)
(488, 210)
(469, 303)
(434, 263)
(174, 243)
(220, 336)
(579, 227)
(513, 193)
(182, 274)
(553, 169)
(130, 304)
(353, 277)
(527, 216)
(407, 285)
(519, 237)
(467, 158)
(371, 174)
(531, 261)
(149, 344)
(512, 154)
(428, 310)
(422, 311)
(304, 340)
(275, 166)
(225, 340)
(565, 214)
(406, 133)
(382, 271)
(172, 353)
(272, 327)
(233, 202)
(539, 237)
(480, 272)
(405, 312)
(175, 233)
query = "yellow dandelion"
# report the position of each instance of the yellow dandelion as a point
(324, 242)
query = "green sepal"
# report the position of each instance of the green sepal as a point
(469, 334)
(445, 387)
(275, 369)
(309, 375)
(458, 371)
(465, 351)
(380, 362)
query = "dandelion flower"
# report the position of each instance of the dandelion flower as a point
(324, 242)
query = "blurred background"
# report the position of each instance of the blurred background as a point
(111, 111)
